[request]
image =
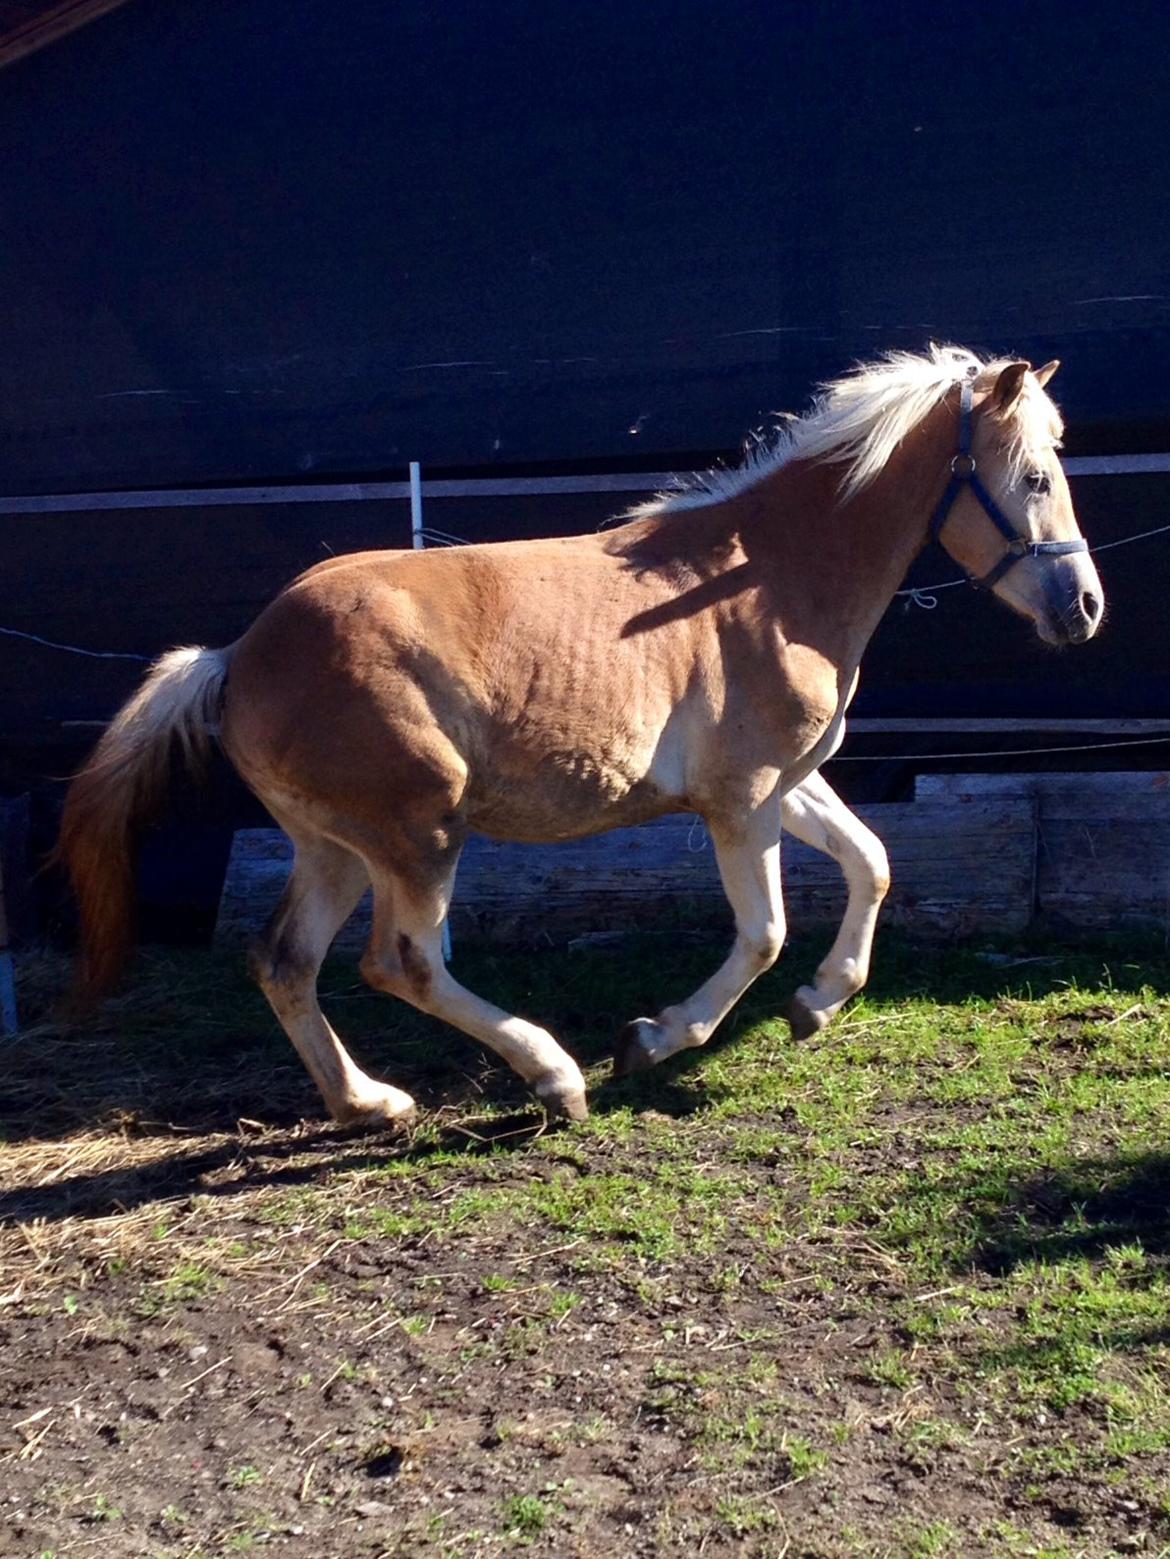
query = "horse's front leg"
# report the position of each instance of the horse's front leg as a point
(815, 814)
(747, 850)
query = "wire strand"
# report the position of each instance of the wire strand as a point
(922, 595)
(75, 649)
(997, 752)
(1125, 540)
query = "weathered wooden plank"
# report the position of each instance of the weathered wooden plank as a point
(1056, 791)
(954, 874)
(955, 870)
(1105, 872)
(1103, 840)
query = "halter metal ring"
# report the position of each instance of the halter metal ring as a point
(963, 466)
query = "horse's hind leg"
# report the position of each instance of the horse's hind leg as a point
(325, 884)
(405, 959)
(816, 815)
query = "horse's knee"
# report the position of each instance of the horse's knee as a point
(405, 971)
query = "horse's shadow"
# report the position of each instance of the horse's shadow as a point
(238, 1160)
(301, 1156)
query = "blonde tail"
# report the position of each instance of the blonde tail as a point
(122, 785)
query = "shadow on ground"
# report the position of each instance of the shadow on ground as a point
(299, 1157)
(1076, 1210)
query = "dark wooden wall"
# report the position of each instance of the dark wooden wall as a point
(289, 240)
(271, 238)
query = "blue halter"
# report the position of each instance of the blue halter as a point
(964, 474)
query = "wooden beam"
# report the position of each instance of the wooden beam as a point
(957, 871)
(335, 491)
(26, 28)
(1103, 840)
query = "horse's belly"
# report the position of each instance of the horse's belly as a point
(563, 794)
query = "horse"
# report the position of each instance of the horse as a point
(698, 657)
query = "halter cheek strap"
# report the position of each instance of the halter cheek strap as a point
(964, 474)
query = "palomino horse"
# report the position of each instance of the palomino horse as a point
(699, 657)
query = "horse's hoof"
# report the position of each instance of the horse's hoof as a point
(567, 1105)
(630, 1052)
(562, 1092)
(803, 1019)
(387, 1109)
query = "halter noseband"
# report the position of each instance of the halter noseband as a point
(963, 474)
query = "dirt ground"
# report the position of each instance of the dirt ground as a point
(901, 1290)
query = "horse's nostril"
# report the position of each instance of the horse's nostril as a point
(1090, 605)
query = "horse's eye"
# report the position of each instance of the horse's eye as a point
(1039, 482)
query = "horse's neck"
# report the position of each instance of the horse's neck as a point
(834, 566)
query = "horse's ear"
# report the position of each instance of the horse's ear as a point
(1009, 386)
(1044, 374)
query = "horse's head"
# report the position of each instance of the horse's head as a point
(1007, 515)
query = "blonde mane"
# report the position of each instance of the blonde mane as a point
(860, 419)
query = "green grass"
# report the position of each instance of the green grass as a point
(525, 1516)
(1003, 1141)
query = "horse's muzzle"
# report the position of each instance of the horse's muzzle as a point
(1073, 611)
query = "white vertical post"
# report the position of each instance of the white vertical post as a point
(417, 539)
(418, 542)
